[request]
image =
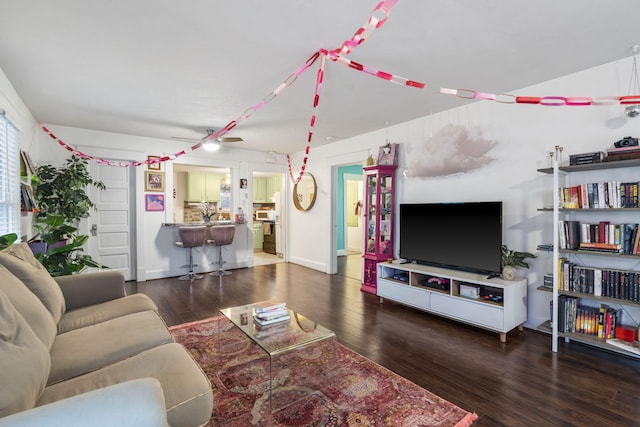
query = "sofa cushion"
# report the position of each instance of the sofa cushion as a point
(19, 260)
(84, 350)
(24, 361)
(187, 391)
(87, 316)
(29, 306)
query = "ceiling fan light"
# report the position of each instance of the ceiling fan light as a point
(211, 145)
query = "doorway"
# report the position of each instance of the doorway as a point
(349, 221)
(110, 225)
(268, 218)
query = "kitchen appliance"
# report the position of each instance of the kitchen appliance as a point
(265, 215)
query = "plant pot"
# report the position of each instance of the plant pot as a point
(38, 247)
(41, 247)
(508, 272)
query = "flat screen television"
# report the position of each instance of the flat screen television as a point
(463, 236)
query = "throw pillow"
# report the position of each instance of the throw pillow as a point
(24, 359)
(29, 306)
(20, 261)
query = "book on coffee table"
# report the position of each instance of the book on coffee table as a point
(272, 314)
(271, 305)
(263, 322)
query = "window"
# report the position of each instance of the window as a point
(9, 178)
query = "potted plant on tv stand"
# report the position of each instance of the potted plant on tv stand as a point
(512, 259)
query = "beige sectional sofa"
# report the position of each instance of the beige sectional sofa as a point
(72, 344)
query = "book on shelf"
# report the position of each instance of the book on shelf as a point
(600, 195)
(262, 322)
(27, 199)
(270, 305)
(597, 322)
(599, 282)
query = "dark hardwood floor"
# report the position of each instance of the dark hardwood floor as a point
(517, 383)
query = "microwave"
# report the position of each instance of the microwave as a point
(263, 215)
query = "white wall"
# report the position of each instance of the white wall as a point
(129, 147)
(525, 134)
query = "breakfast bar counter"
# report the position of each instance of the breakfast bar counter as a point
(171, 259)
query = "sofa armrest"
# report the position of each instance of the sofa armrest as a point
(81, 290)
(136, 403)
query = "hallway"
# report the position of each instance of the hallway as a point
(350, 265)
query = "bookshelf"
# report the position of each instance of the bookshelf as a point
(493, 304)
(379, 221)
(27, 199)
(598, 290)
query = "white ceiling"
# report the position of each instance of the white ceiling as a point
(163, 68)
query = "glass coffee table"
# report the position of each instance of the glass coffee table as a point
(279, 338)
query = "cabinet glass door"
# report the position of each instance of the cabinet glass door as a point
(372, 232)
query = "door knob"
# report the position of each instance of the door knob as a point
(94, 229)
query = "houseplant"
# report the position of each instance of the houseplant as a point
(7, 240)
(60, 193)
(61, 190)
(208, 210)
(63, 246)
(512, 259)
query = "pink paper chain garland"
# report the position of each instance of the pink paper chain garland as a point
(378, 17)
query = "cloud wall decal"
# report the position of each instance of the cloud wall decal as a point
(452, 150)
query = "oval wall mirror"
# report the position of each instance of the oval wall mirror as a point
(304, 192)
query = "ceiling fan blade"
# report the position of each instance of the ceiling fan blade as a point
(231, 139)
(177, 138)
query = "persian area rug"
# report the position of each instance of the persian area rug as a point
(322, 384)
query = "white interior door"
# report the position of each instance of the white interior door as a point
(110, 226)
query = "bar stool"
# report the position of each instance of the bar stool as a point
(191, 237)
(221, 235)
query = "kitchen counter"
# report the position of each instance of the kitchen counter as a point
(169, 260)
(209, 224)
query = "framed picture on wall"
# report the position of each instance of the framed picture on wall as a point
(388, 154)
(153, 181)
(154, 202)
(154, 166)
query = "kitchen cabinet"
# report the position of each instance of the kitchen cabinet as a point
(203, 186)
(274, 184)
(195, 182)
(258, 235)
(212, 186)
(264, 188)
(259, 190)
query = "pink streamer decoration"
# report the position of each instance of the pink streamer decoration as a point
(377, 18)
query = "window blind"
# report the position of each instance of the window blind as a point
(9, 178)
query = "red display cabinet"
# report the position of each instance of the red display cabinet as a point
(379, 217)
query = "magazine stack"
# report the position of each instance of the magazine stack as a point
(270, 312)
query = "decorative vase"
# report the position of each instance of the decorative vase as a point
(508, 272)
(207, 219)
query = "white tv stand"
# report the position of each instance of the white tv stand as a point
(500, 306)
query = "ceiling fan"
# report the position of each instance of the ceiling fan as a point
(206, 143)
